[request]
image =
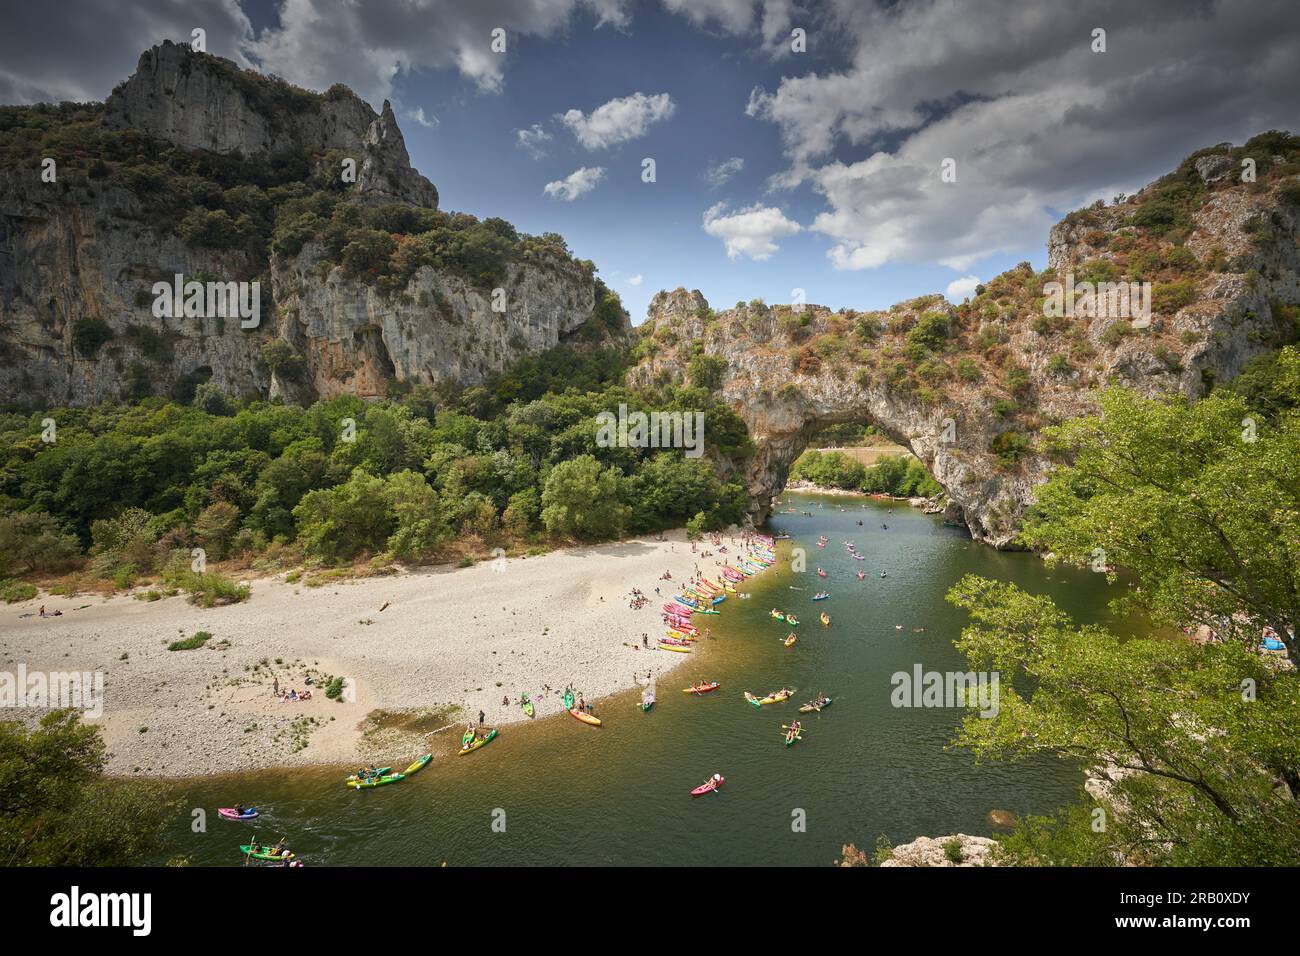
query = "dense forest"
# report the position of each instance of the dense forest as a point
(900, 475)
(125, 492)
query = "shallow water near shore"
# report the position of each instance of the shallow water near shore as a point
(560, 792)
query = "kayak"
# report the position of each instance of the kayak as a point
(379, 772)
(478, 742)
(709, 787)
(809, 707)
(821, 597)
(230, 813)
(701, 690)
(377, 782)
(778, 615)
(647, 701)
(769, 699)
(791, 738)
(584, 717)
(418, 765)
(826, 619)
(263, 853)
(527, 705)
(789, 641)
(674, 647)
(792, 620)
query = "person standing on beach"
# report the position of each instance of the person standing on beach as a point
(482, 718)
(275, 687)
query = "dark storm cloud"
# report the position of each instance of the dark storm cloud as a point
(81, 49)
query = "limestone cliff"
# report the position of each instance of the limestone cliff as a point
(968, 387)
(204, 102)
(198, 168)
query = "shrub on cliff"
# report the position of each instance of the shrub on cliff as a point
(706, 371)
(89, 334)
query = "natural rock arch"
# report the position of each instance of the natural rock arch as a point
(788, 374)
(785, 408)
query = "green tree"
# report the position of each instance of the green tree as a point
(1200, 501)
(339, 522)
(34, 541)
(215, 528)
(583, 500)
(56, 808)
(420, 524)
(1208, 774)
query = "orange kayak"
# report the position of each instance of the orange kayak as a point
(585, 717)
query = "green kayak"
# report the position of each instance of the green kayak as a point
(377, 782)
(468, 748)
(527, 705)
(418, 765)
(262, 853)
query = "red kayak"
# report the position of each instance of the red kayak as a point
(712, 685)
(713, 784)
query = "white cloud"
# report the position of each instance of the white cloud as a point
(635, 280)
(773, 19)
(1036, 121)
(417, 114)
(619, 120)
(961, 289)
(577, 183)
(718, 174)
(751, 231)
(531, 139)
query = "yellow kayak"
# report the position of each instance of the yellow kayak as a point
(789, 641)
(477, 742)
(769, 699)
(675, 647)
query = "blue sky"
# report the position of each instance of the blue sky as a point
(840, 193)
(627, 227)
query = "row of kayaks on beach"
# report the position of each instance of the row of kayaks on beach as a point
(702, 595)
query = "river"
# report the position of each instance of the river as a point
(559, 792)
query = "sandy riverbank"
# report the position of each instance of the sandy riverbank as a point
(449, 643)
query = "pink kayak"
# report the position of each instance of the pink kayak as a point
(709, 787)
(230, 813)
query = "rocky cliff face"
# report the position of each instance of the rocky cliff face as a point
(204, 102)
(966, 388)
(79, 256)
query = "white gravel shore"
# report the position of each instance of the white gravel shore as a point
(447, 638)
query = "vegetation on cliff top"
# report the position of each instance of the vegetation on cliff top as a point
(252, 208)
(997, 355)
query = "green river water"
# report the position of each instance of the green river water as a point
(571, 794)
